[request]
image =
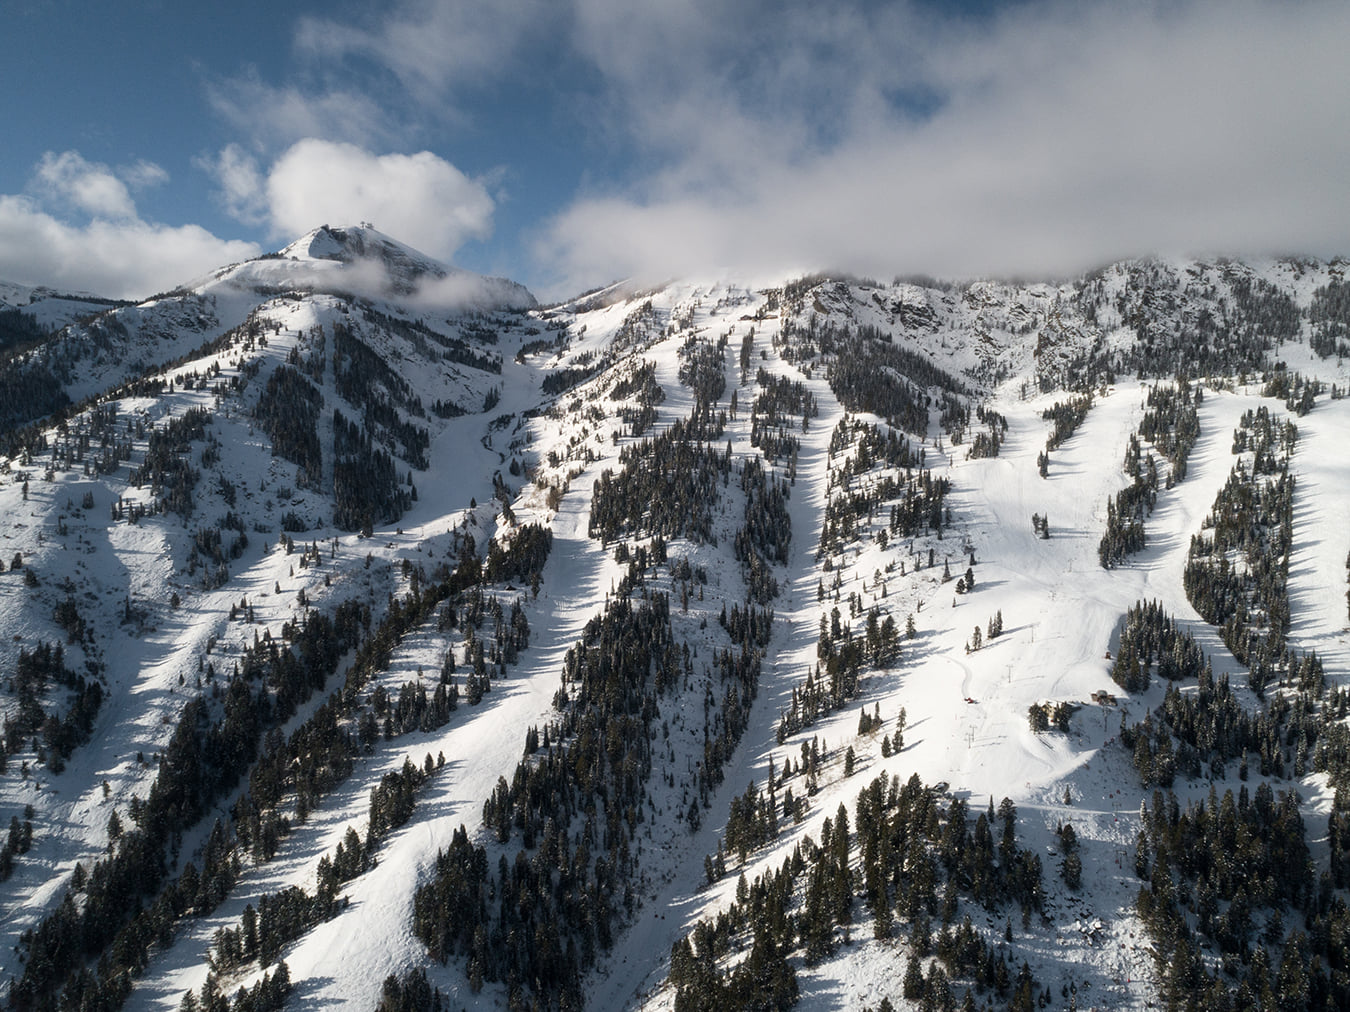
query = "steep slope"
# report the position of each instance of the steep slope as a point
(353, 264)
(407, 632)
(47, 308)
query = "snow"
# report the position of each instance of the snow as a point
(1061, 612)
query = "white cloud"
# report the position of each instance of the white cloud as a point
(431, 46)
(277, 115)
(420, 199)
(77, 228)
(241, 184)
(381, 81)
(1045, 139)
(86, 186)
(125, 258)
(143, 174)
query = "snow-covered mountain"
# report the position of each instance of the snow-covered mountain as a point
(375, 635)
(29, 315)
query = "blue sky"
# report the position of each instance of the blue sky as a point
(566, 143)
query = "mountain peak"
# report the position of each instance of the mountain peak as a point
(361, 260)
(352, 243)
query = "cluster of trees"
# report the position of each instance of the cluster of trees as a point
(93, 441)
(285, 916)
(522, 558)
(29, 390)
(208, 551)
(366, 486)
(577, 799)
(703, 369)
(19, 332)
(813, 697)
(1226, 336)
(639, 384)
(510, 631)
(752, 820)
(268, 995)
(412, 709)
(585, 366)
(447, 348)
(128, 901)
(766, 533)
(1042, 716)
(987, 440)
(842, 656)
(778, 402)
(34, 672)
(871, 447)
(288, 411)
(748, 627)
(371, 385)
(576, 804)
(1252, 519)
(1221, 875)
(442, 408)
(1263, 308)
(167, 467)
(202, 762)
(18, 841)
(861, 486)
(1149, 636)
(746, 353)
(411, 992)
(668, 486)
(1299, 394)
(1171, 423)
(538, 344)
(1125, 513)
(908, 860)
(31, 385)
(1330, 317)
(639, 328)
(314, 363)
(1207, 730)
(738, 674)
(1065, 417)
(867, 372)
(1331, 756)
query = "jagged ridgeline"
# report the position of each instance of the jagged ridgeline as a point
(337, 378)
(1219, 322)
